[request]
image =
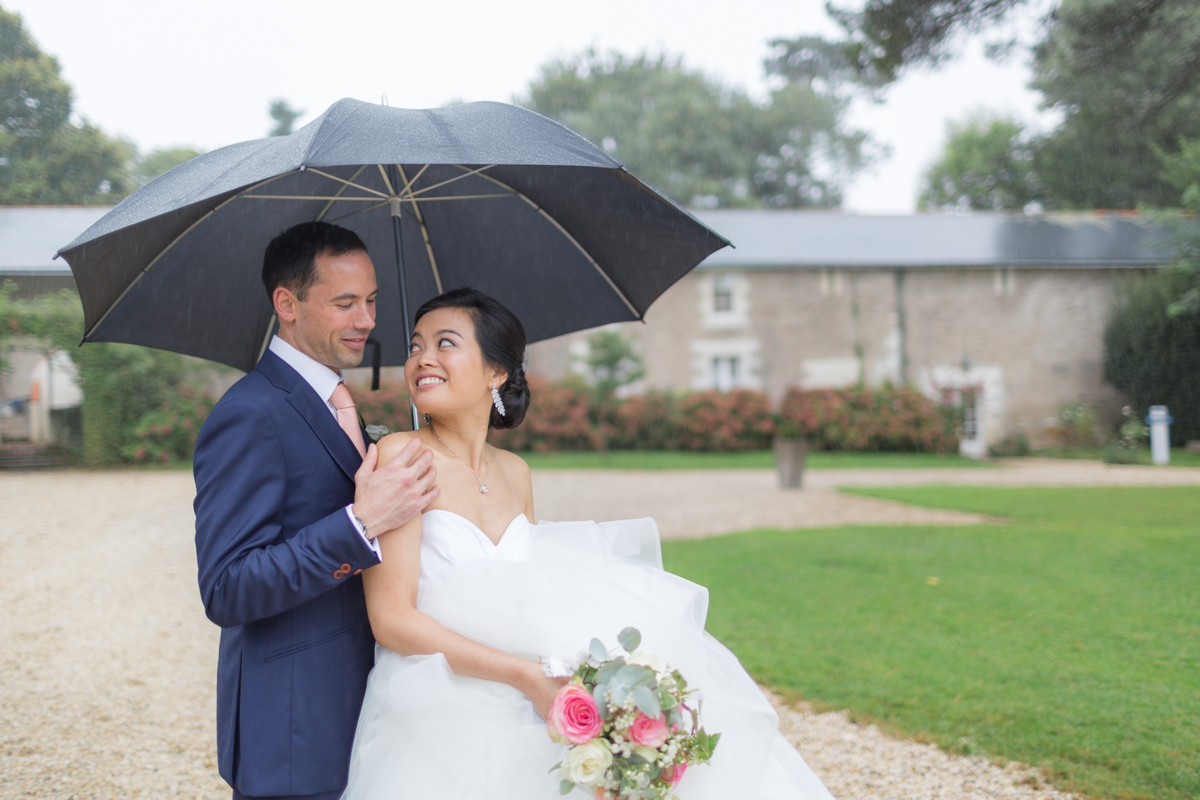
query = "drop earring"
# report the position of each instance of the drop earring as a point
(497, 401)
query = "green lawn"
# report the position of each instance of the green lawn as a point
(1068, 637)
(753, 459)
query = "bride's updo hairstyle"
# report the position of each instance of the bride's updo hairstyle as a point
(501, 338)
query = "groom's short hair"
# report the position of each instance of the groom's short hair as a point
(291, 257)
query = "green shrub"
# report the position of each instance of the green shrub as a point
(1153, 357)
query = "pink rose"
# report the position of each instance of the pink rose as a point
(649, 732)
(574, 716)
(674, 773)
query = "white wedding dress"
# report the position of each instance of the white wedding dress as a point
(546, 590)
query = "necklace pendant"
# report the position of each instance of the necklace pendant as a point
(483, 488)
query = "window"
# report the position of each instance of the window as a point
(724, 302)
(726, 364)
(722, 296)
(725, 373)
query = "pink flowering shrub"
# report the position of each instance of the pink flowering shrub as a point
(558, 418)
(168, 433)
(387, 407)
(737, 420)
(860, 418)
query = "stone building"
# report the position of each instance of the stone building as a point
(1013, 305)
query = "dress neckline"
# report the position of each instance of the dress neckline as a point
(480, 530)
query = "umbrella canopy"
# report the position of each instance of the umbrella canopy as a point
(485, 195)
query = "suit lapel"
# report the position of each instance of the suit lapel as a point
(314, 411)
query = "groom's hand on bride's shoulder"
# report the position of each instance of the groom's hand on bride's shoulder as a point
(386, 497)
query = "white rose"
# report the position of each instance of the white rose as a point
(648, 753)
(647, 660)
(587, 763)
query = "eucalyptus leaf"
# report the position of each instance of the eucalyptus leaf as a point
(617, 692)
(647, 678)
(598, 650)
(636, 761)
(609, 669)
(667, 700)
(629, 638)
(600, 695)
(647, 701)
(566, 786)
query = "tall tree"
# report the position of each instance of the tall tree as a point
(44, 157)
(161, 161)
(1126, 76)
(284, 115)
(702, 142)
(987, 164)
(887, 35)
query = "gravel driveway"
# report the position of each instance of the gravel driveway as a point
(107, 662)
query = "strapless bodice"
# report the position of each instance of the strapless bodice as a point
(448, 539)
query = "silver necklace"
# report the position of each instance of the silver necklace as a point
(482, 485)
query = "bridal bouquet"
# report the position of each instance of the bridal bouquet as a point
(625, 719)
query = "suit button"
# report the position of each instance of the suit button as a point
(338, 574)
(358, 572)
(346, 568)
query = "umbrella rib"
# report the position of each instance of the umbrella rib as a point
(375, 200)
(456, 178)
(569, 238)
(164, 251)
(360, 211)
(386, 180)
(267, 337)
(433, 265)
(348, 183)
(329, 205)
(332, 198)
(407, 190)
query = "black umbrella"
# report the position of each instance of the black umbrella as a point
(485, 195)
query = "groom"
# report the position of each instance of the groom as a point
(288, 504)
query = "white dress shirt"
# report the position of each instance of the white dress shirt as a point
(323, 380)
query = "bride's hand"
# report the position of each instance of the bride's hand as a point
(541, 692)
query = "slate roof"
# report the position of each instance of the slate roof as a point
(30, 236)
(816, 239)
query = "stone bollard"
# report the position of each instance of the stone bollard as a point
(1159, 419)
(790, 455)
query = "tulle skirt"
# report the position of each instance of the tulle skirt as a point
(427, 733)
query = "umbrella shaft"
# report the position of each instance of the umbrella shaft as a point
(400, 277)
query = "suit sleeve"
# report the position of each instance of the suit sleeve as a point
(246, 571)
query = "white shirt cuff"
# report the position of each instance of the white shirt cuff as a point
(371, 543)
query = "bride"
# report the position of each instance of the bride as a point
(474, 607)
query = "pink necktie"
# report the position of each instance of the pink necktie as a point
(347, 416)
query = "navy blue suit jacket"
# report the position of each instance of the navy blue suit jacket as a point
(277, 556)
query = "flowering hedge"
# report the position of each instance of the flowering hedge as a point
(869, 419)
(388, 406)
(559, 418)
(169, 432)
(568, 415)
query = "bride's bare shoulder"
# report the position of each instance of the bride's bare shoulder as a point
(511, 461)
(391, 445)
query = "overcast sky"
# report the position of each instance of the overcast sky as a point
(163, 73)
